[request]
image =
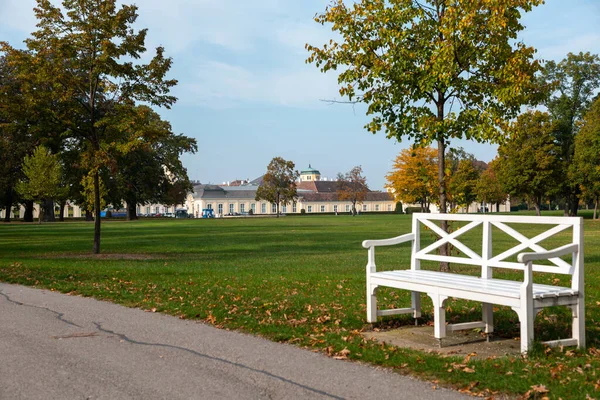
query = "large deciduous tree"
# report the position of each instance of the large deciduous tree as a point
(352, 186)
(153, 172)
(88, 54)
(279, 183)
(586, 162)
(431, 70)
(527, 162)
(413, 178)
(43, 175)
(574, 81)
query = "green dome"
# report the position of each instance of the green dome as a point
(310, 171)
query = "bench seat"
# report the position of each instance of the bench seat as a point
(466, 283)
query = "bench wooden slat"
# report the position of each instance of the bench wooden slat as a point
(501, 287)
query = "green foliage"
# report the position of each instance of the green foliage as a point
(410, 210)
(43, 176)
(527, 162)
(431, 70)
(82, 60)
(462, 185)
(398, 209)
(488, 188)
(573, 82)
(352, 186)
(279, 183)
(586, 163)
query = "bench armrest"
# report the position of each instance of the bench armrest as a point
(544, 255)
(388, 242)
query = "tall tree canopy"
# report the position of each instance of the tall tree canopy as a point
(527, 161)
(279, 183)
(413, 178)
(573, 82)
(352, 186)
(587, 156)
(88, 55)
(431, 70)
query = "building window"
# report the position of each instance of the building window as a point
(209, 206)
(335, 208)
(347, 207)
(231, 208)
(242, 207)
(389, 207)
(273, 208)
(284, 208)
(309, 209)
(364, 207)
(295, 207)
(157, 210)
(253, 208)
(263, 208)
(322, 208)
(220, 208)
(376, 207)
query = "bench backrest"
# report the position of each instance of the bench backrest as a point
(486, 259)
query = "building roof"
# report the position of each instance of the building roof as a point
(310, 170)
(332, 196)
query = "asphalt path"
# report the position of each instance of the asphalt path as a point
(55, 346)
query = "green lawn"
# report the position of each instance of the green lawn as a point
(295, 279)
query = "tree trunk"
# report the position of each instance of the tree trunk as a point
(595, 208)
(48, 210)
(536, 204)
(96, 248)
(444, 265)
(132, 209)
(61, 217)
(28, 217)
(88, 215)
(574, 205)
(9, 203)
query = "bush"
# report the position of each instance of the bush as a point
(398, 208)
(410, 210)
(302, 211)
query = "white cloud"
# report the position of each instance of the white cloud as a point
(219, 85)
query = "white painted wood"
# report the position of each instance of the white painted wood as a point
(388, 242)
(394, 311)
(465, 326)
(450, 238)
(525, 298)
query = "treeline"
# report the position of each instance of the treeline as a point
(550, 156)
(79, 90)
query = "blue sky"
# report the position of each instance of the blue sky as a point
(247, 96)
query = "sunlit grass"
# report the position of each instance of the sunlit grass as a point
(295, 279)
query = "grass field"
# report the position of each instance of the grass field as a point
(299, 280)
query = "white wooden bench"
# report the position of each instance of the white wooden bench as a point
(524, 297)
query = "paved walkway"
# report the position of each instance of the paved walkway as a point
(70, 347)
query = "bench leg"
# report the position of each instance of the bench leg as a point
(578, 312)
(488, 317)
(526, 321)
(439, 315)
(416, 304)
(371, 303)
